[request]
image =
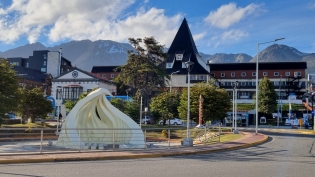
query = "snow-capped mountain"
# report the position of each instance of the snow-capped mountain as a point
(85, 54)
(226, 58)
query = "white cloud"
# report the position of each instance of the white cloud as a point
(81, 19)
(229, 14)
(199, 36)
(312, 5)
(233, 35)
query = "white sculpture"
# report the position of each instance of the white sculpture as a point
(94, 123)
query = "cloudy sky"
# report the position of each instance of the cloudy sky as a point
(217, 26)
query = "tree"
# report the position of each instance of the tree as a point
(130, 108)
(216, 102)
(165, 105)
(9, 94)
(267, 97)
(145, 66)
(33, 104)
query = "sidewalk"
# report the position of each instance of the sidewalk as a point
(248, 139)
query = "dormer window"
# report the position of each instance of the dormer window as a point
(168, 65)
(179, 56)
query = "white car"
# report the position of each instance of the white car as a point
(146, 120)
(173, 121)
(293, 121)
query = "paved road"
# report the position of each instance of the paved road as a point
(283, 155)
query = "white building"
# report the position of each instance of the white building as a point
(75, 82)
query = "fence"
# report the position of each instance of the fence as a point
(44, 140)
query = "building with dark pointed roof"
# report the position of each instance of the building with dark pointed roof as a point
(183, 49)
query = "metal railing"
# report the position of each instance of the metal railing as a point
(44, 140)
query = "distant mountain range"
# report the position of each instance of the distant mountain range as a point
(85, 54)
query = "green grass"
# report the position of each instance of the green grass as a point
(227, 137)
(28, 125)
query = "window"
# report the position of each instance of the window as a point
(297, 73)
(233, 74)
(276, 83)
(168, 65)
(222, 83)
(104, 75)
(201, 77)
(72, 93)
(287, 73)
(179, 56)
(112, 76)
(265, 74)
(243, 83)
(222, 74)
(213, 74)
(43, 70)
(276, 73)
(253, 73)
(27, 64)
(243, 74)
(192, 77)
(45, 56)
(44, 63)
(183, 65)
(253, 83)
(14, 63)
(64, 63)
(61, 70)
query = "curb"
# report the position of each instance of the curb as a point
(166, 154)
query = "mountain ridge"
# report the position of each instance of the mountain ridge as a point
(85, 54)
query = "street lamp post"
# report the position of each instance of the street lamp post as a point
(188, 141)
(59, 96)
(233, 112)
(141, 108)
(235, 107)
(279, 102)
(257, 60)
(171, 79)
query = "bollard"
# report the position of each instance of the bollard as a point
(113, 140)
(41, 141)
(205, 138)
(169, 138)
(145, 139)
(79, 140)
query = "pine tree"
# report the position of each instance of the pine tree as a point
(145, 68)
(267, 97)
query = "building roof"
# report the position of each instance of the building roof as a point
(183, 43)
(252, 66)
(104, 69)
(30, 74)
(89, 74)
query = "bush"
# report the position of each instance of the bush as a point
(165, 133)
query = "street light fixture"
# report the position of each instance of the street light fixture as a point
(257, 60)
(59, 96)
(279, 103)
(171, 79)
(128, 91)
(188, 141)
(235, 107)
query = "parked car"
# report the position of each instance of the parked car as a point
(293, 121)
(173, 121)
(146, 120)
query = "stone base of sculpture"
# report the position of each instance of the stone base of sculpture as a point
(94, 123)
